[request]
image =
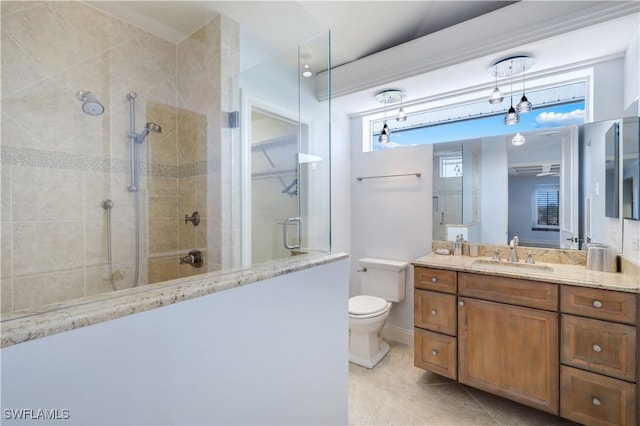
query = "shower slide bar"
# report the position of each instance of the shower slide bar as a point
(361, 178)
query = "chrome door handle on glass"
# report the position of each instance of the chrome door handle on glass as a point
(285, 232)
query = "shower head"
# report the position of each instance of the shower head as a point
(149, 127)
(90, 105)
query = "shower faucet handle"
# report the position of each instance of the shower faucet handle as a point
(195, 258)
(194, 218)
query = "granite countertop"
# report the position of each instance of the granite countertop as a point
(30, 325)
(560, 273)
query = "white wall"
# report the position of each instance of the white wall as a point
(390, 217)
(273, 352)
(340, 182)
(494, 217)
(609, 90)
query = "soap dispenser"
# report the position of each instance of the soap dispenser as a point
(457, 246)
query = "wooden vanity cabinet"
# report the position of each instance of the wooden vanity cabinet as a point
(564, 349)
(506, 349)
(599, 353)
(435, 320)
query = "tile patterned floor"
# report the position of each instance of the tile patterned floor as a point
(397, 393)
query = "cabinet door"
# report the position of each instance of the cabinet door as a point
(592, 399)
(509, 351)
(435, 279)
(435, 352)
(599, 346)
(435, 311)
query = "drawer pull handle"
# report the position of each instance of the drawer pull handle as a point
(434, 352)
(596, 402)
(461, 303)
(434, 312)
(434, 279)
(597, 348)
(597, 304)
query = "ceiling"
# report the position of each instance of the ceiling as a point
(281, 23)
(393, 37)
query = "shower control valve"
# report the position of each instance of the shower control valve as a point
(194, 218)
(194, 258)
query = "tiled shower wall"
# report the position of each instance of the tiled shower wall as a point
(58, 163)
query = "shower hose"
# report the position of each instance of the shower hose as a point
(107, 205)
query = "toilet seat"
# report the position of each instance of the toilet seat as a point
(365, 306)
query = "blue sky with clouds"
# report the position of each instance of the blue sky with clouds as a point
(539, 118)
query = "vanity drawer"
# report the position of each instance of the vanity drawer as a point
(602, 304)
(532, 294)
(592, 399)
(435, 279)
(599, 346)
(435, 311)
(435, 352)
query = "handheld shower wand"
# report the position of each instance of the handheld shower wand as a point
(136, 140)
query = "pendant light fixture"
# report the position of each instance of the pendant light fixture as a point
(517, 140)
(401, 116)
(496, 96)
(386, 97)
(510, 67)
(524, 106)
(385, 134)
(512, 116)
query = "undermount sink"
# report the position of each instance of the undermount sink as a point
(507, 266)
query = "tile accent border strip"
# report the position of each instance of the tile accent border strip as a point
(29, 157)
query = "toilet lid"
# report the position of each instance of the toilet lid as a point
(363, 304)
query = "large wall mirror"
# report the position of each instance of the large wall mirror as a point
(631, 165)
(612, 170)
(490, 190)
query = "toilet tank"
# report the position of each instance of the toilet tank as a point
(383, 278)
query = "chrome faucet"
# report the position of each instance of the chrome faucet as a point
(513, 255)
(529, 260)
(496, 255)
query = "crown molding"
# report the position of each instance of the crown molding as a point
(525, 22)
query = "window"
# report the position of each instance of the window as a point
(547, 210)
(553, 107)
(451, 166)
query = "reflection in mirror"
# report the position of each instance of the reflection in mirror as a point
(593, 136)
(630, 167)
(455, 190)
(562, 158)
(611, 160)
(534, 190)
(503, 190)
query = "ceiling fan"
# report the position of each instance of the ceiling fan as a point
(546, 171)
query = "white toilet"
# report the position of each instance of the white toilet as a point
(382, 282)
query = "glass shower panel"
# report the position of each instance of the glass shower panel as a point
(314, 156)
(286, 155)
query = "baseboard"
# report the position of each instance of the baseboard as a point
(398, 334)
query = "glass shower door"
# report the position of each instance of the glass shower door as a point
(286, 156)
